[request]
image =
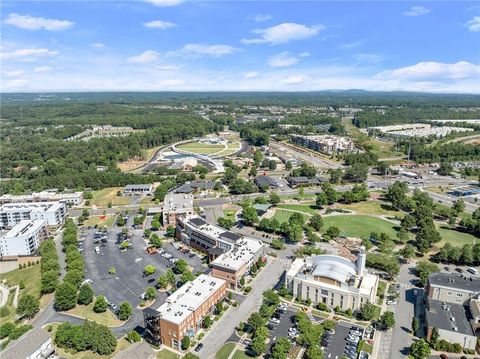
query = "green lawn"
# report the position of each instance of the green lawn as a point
(371, 207)
(304, 208)
(29, 275)
(200, 148)
(86, 311)
(225, 351)
(166, 354)
(102, 197)
(98, 221)
(240, 354)
(359, 225)
(454, 237)
(283, 216)
(231, 148)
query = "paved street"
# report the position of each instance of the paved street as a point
(223, 329)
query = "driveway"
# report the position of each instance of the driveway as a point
(223, 329)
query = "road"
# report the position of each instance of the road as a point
(448, 201)
(223, 329)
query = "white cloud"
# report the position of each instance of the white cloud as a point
(250, 74)
(304, 54)
(97, 45)
(434, 71)
(196, 50)
(416, 11)
(350, 45)
(168, 67)
(42, 69)
(170, 82)
(145, 57)
(262, 17)
(37, 23)
(159, 24)
(16, 84)
(27, 54)
(294, 79)
(283, 33)
(12, 73)
(474, 24)
(370, 58)
(165, 3)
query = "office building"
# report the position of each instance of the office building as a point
(332, 280)
(452, 288)
(138, 190)
(234, 264)
(183, 312)
(54, 212)
(24, 238)
(73, 199)
(175, 205)
(326, 143)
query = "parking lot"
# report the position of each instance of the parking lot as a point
(336, 345)
(281, 329)
(128, 283)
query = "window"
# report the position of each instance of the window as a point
(324, 292)
(449, 293)
(459, 295)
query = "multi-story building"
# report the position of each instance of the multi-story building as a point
(175, 205)
(332, 280)
(24, 238)
(34, 344)
(326, 143)
(138, 190)
(235, 263)
(452, 308)
(54, 212)
(73, 199)
(208, 238)
(183, 312)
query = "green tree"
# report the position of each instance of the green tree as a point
(316, 222)
(28, 306)
(420, 349)
(288, 166)
(120, 221)
(134, 337)
(155, 240)
(170, 231)
(49, 281)
(258, 345)
(207, 322)
(149, 270)
(185, 343)
(274, 198)
(125, 311)
(187, 276)
(65, 296)
(281, 348)
(424, 269)
(369, 311)
(85, 294)
(100, 305)
(75, 277)
(180, 267)
(226, 223)
(387, 320)
(256, 321)
(150, 293)
(332, 232)
(155, 225)
(249, 215)
(112, 270)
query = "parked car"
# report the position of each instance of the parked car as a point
(275, 320)
(198, 347)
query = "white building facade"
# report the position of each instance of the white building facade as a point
(24, 238)
(54, 212)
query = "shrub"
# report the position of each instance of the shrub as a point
(134, 337)
(6, 329)
(125, 311)
(17, 332)
(28, 306)
(85, 294)
(100, 305)
(247, 289)
(185, 343)
(4, 311)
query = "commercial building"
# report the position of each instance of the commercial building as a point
(195, 186)
(73, 199)
(234, 264)
(175, 205)
(24, 238)
(418, 130)
(34, 344)
(452, 308)
(326, 143)
(332, 280)
(183, 312)
(301, 181)
(138, 190)
(12, 213)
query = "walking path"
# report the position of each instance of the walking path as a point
(3, 295)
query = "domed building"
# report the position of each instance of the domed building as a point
(332, 280)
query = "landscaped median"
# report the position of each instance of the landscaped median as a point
(86, 312)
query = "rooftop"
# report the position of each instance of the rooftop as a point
(189, 187)
(243, 252)
(452, 317)
(138, 186)
(31, 206)
(24, 227)
(177, 201)
(189, 298)
(456, 281)
(136, 351)
(26, 345)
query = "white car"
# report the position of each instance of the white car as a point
(87, 281)
(391, 302)
(275, 320)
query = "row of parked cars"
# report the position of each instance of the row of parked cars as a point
(354, 336)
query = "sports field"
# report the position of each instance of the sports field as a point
(283, 216)
(200, 148)
(102, 197)
(359, 225)
(454, 237)
(304, 208)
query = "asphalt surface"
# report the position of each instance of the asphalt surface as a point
(335, 348)
(280, 330)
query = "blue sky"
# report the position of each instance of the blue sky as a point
(178, 45)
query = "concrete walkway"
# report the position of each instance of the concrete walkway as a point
(3, 295)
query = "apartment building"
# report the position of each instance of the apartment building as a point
(208, 238)
(54, 212)
(73, 199)
(24, 238)
(176, 205)
(326, 143)
(138, 190)
(332, 280)
(234, 264)
(183, 312)
(34, 344)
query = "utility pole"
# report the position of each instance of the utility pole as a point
(21, 113)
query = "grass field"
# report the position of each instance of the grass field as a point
(225, 351)
(86, 311)
(167, 354)
(359, 225)
(454, 237)
(283, 216)
(98, 221)
(29, 275)
(240, 354)
(371, 207)
(310, 209)
(231, 148)
(200, 148)
(102, 197)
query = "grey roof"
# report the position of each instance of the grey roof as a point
(216, 251)
(439, 317)
(262, 206)
(26, 345)
(334, 267)
(197, 221)
(231, 236)
(151, 312)
(189, 187)
(456, 281)
(136, 351)
(299, 180)
(138, 186)
(265, 181)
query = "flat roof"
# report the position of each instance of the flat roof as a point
(449, 316)
(466, 283)
(26, 345)
(189, 298)
(177, 201)
(139, 350)
(32, 206)
(138, 186)
(243, 252)
(25, 227)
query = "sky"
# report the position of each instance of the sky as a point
(175, 45)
